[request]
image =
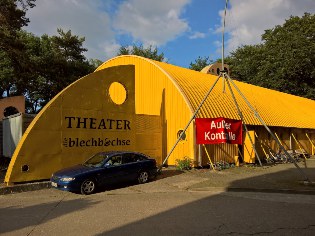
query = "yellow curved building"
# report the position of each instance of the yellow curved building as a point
(133, 103)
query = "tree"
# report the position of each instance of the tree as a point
(200, 63)
(95, 63)
(37, 67)
(149, 52)
(54, 63)
(284, 61)
(6, 73)
(12, 19)
(245, 63)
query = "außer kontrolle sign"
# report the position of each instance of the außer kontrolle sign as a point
(218, 130)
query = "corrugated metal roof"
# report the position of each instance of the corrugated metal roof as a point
(275, 108)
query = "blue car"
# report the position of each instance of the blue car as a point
(105, 168)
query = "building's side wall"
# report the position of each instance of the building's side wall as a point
(218, 152)
(17, 101)
(157, 95)
(264, 144)
(264, 140)
(80, 121)
(149, 136)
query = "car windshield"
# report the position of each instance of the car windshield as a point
(96, 161)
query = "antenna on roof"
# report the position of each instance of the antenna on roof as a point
(222, 59)
(226, 4)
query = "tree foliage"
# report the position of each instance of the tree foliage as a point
(37, 67)
(284, 61)
(12, 19)
(200, 63)
(148, 52)
(54, 63)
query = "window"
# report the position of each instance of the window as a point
(97, 160)
(129, 158)
(181, 134)
(132, 157)
(139, 158)
(118, 93)
(116, 160)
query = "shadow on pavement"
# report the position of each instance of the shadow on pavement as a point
(37, 214)
(232, 214)
(169, 172)
(192, 213)
(290, 181)
(166, 173)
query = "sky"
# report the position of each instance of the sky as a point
(181, 29)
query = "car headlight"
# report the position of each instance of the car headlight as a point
(67, 179)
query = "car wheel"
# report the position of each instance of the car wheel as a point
(143, 177)
(88, 186)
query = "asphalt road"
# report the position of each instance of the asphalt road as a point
(167, 206)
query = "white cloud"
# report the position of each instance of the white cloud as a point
(110, 48)
(84, 18)
(152, 22)
(246, 20)
(197, 35)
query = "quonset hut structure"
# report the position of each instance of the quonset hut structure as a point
(134, 103)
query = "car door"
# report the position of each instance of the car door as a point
(130, 166)
(112, 170)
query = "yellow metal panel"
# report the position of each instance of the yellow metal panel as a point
(220, 152)
(158, 94)
(249, 153)
(149, 136)
(273, 108)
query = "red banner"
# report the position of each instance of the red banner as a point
(218, 130)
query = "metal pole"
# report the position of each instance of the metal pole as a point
(242, 118)
(192, 118)
(211, 164)
(267, 128)
(199, 156)
(300, 146)
(226, 3)
(223, 29)
(313, 146)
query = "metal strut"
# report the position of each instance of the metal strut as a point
(242, 118)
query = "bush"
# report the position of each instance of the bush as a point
(184, 164)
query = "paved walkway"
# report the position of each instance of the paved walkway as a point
(273, 178)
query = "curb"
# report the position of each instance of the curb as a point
(266, 190)
(24, 187)
(47, 184)
(260, 190)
